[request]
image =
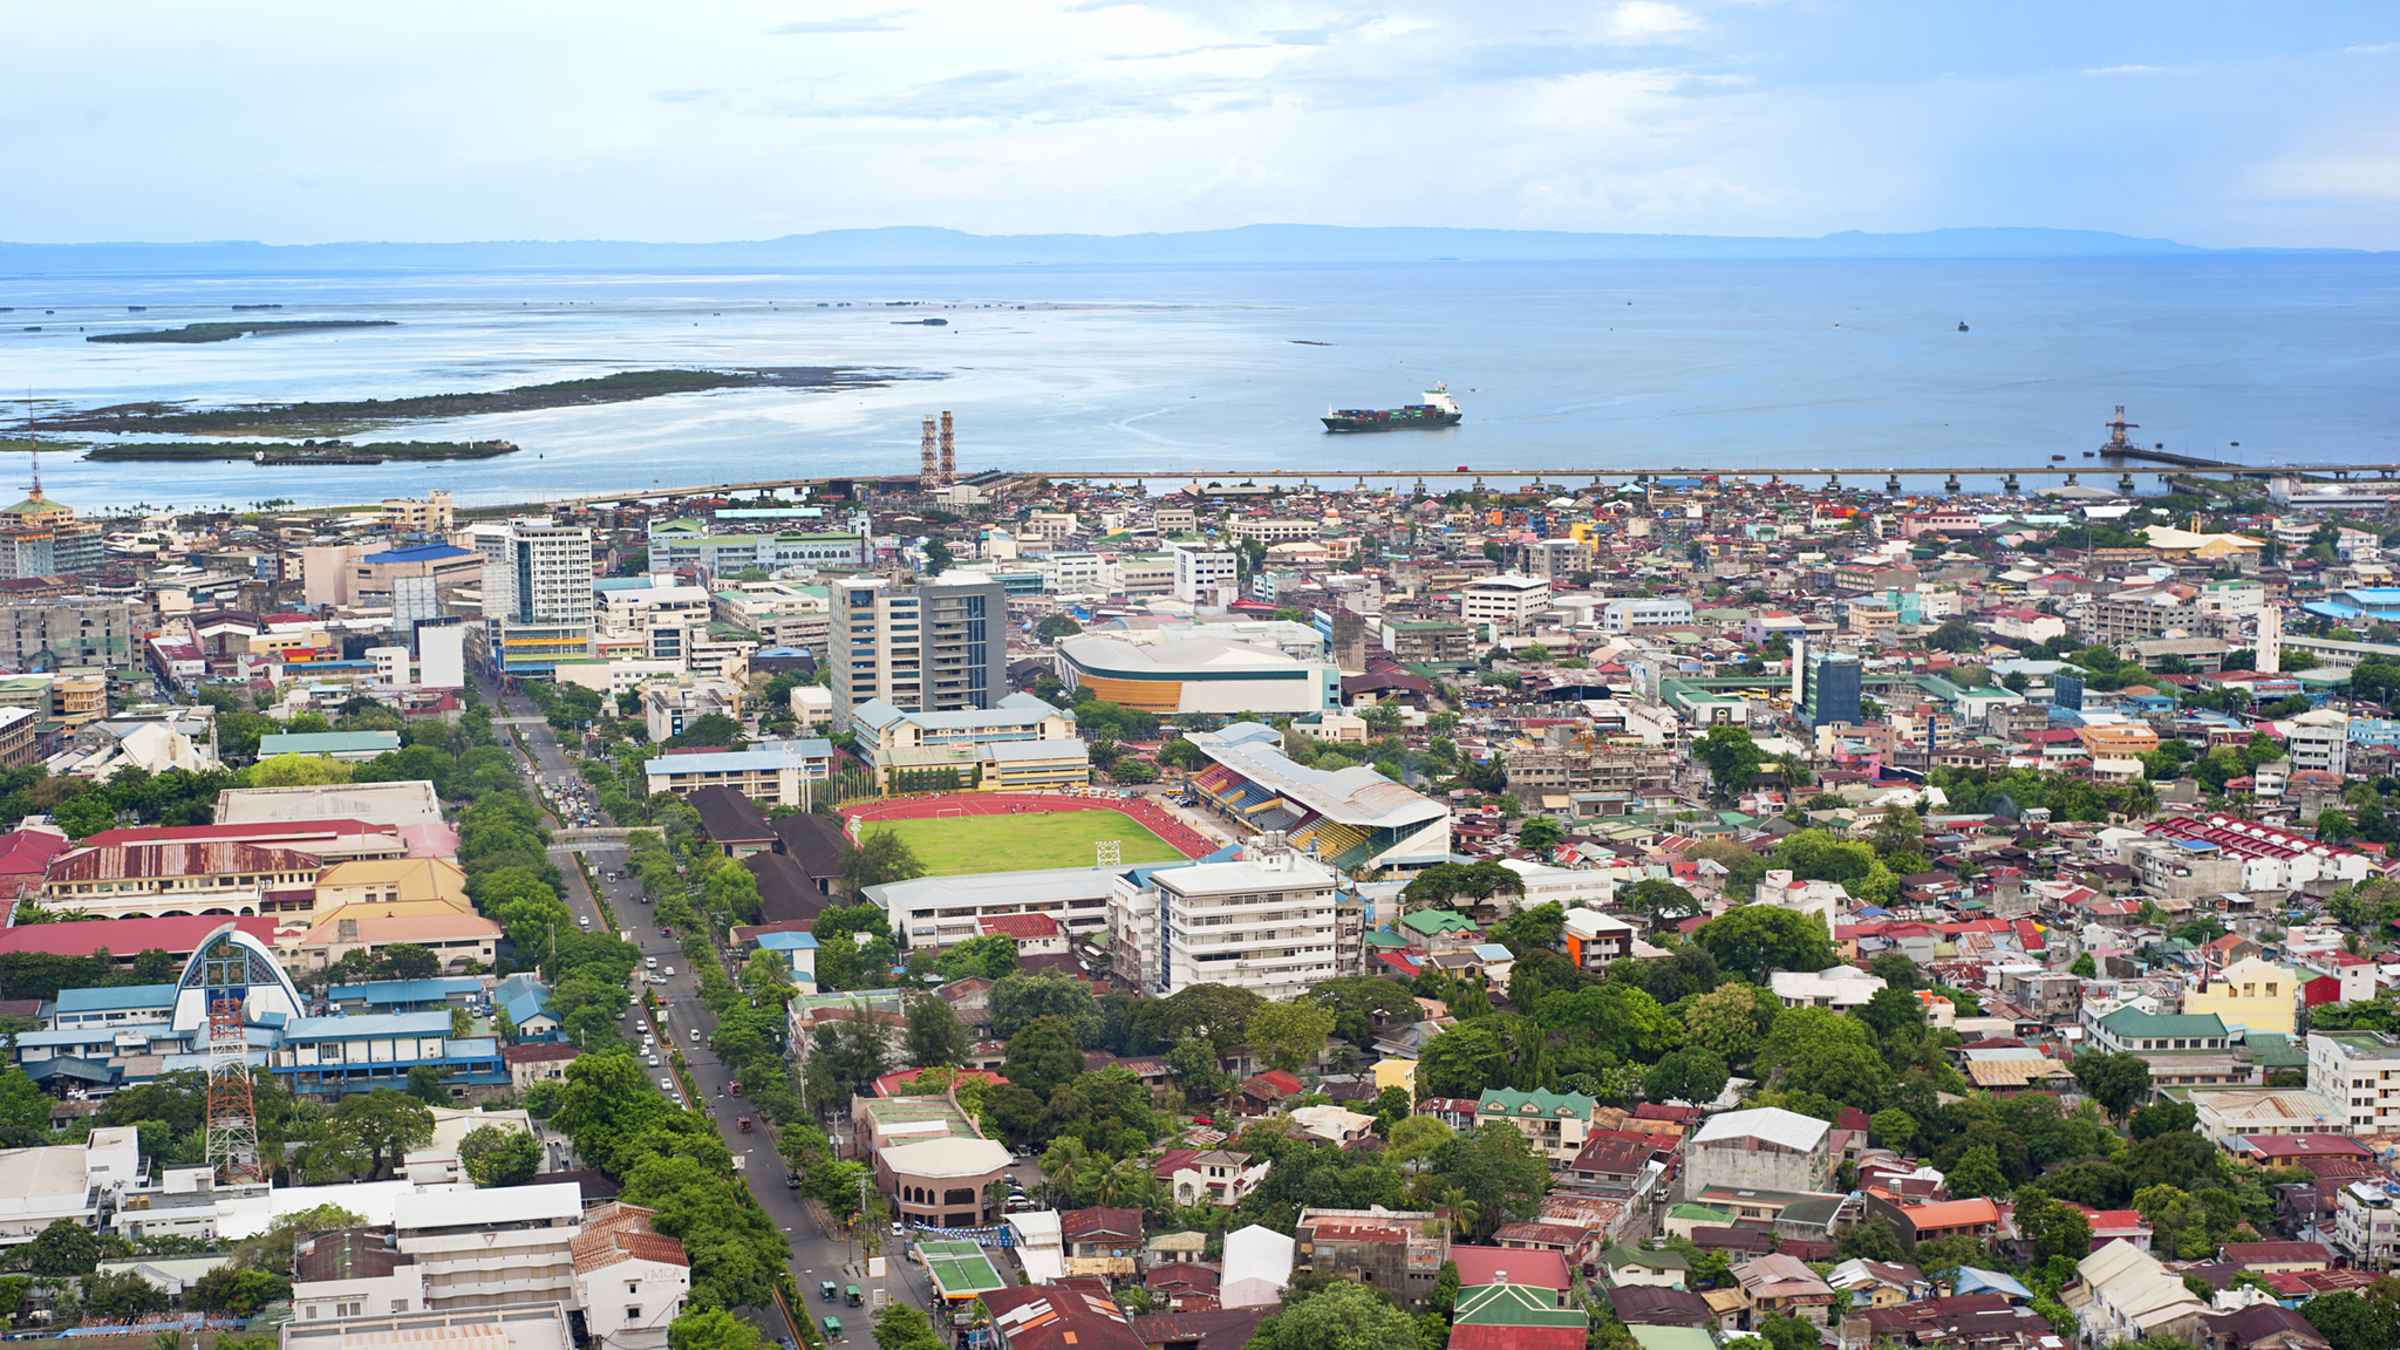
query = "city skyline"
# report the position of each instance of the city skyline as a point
(2224, 128)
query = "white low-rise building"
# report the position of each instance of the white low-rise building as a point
(1842, 987)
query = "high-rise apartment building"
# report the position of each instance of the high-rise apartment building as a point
(1826, 685)
(932, 646)
(537, 594)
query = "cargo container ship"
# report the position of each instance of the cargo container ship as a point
(1438, 410)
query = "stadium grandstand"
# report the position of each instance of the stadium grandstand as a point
(1354, 819)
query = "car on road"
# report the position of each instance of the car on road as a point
(666, 1085)
(899, 1229)
(695, 1033)
(670, 972)
(583, 920)
(649, 963)
(652, 1061)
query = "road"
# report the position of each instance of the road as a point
(815, 1256)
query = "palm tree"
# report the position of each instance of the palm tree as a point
(1464, 1213)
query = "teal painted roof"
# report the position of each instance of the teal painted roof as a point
(1501, 1101)
(2133, 1022)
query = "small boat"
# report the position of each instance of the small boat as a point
(2058, 459)
(1962, 325)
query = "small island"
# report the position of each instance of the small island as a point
(227, 332)
(300, 452)
(343, 417)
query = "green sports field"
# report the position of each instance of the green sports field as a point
(953, 846)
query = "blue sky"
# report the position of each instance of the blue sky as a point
(296, 122)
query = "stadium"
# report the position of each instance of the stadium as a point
(1354, 819)
(960, 834)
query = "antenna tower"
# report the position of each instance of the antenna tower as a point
(949, 452)
(33, 450)
(2117, 427)
(232, 1147)
(928, 469)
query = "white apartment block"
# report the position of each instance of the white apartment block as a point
(1136, 574)
(1267, 924)
(1633, 614)
(537, 594)
(1205, 576)
(1073, 574)
(2319, 739)
(2359, 1072)
(1274, 530)
(1510, 602)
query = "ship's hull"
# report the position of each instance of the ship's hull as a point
(1398, 419)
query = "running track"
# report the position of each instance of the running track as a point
(1151, 816)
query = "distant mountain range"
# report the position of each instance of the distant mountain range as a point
(912, 246)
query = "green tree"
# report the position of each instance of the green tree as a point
(238, 1291)
(1660, 901)
(2352, 1320)
(494, 1156)
(713, 1329)
(1341, 1316)
(990, 958)
(1462, 1062)
(1977, 1173)
(1043, 1056)
(425, 1084)
(2118, 1081)
(1754, 941)
(1694, 1073)
(387, 1124)
(878, 858)
(24, 1111)
(1290, 1034)
(934, 1034)
(1820, 1051)
(1893, 1128)
(2083, 966)
(1019, 1000)
(62, 1249)
(1541, 834)
(2051, 1229)
(900, 1326)
(1733, 760)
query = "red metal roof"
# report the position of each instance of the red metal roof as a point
(143, 862)
(1510, 1265)
(1018, 926)
(178, 936)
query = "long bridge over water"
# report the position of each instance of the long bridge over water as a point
(1220, 479)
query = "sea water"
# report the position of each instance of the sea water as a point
(1587, 367)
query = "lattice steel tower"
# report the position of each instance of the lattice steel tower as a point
(232, 1111)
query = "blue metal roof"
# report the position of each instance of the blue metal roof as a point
(804, 750)
(405, 991)
(784, 942)
(116, 998)
(369, 1024)
(421, 553)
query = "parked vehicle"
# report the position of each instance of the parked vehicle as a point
(742, 1123)
(826, 1291)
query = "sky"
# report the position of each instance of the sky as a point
(294, 121)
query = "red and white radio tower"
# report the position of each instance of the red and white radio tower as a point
(949, 452)
(232, 1147)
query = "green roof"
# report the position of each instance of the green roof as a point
(2274, 1050)
(1689, 1211)
(1432, 922)
(1513, 1305)
(2133, 1022)
(1502, 1101)
(959, 1269)
(1386, 938)
(1665, 1259)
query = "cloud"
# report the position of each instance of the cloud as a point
(684, 95)
(884, 21)
(2124, 70)
(2367, 176)
(2372, 48)
(1649, 20)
